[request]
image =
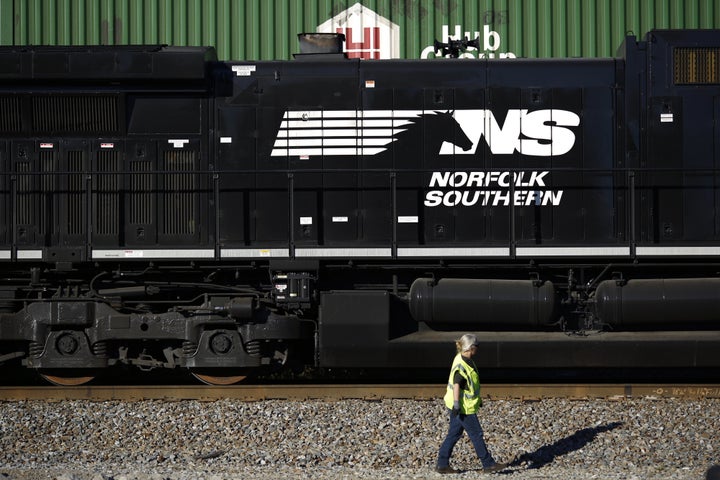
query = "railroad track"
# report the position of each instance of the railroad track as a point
(526, 392)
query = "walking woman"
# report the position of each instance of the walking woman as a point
(463, 401)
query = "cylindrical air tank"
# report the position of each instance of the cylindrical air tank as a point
(482, 302)
(658, 301)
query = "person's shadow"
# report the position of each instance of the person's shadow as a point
(547, 453)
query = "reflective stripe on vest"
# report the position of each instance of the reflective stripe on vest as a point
(470, 400)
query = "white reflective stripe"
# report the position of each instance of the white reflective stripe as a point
(572, 251)
(331, 142)
(469, 396)
(304, 114)
(393, 113)
(473, 393)
(29, 254)
(300, 124)
(315, 114)
(342, 252)
(254, 252)
(376, 133)
(169, 253)
(297, 152)
(305, 133)
(453, 252)
(5, 255)
(325, 114)
(395, 122)
(345, 123)
(679, 251)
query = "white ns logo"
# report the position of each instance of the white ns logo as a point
(541, 133)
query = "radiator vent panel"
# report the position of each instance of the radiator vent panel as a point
(73, 114)
(696, 66)
(179, 193)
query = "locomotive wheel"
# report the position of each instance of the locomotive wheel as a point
(65, 380)
(213, 377)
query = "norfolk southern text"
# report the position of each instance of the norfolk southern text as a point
(492, 188)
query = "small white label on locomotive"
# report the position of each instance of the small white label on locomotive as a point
(243, 70)
(178, 142)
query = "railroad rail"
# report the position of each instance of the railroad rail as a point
(525, 392)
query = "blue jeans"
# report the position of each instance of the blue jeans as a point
(459, 424)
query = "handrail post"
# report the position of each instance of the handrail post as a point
(393, 187)
(513, 243)
(291, 212)
(631, 203)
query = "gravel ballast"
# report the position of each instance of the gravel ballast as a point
(640, 438)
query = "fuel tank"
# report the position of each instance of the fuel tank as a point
(482, 302)
(646, 302)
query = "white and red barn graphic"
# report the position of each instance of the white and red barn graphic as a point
(367, 34)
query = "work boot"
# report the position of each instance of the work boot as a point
(446, 469)
(494, 468)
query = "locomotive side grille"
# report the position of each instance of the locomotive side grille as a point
(141, 198)
(25, 211)
(10, 115)
(696, 66)
(75, 195)
(107, 206)
(47, 189)
(180, 193)
(75, 114)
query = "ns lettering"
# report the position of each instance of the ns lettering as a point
(540, 133)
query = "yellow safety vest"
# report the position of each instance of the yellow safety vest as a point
(470, 400)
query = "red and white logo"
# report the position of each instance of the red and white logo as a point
(367, 34)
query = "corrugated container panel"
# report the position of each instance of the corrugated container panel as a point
(267, 29)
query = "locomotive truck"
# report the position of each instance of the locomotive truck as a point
(163, 209)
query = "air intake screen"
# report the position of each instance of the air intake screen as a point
(180, 193)
(141, 186)
(76, 193)
(75, 114)
(24, 204)
(10, 115)
(107, 206)
(696, 66)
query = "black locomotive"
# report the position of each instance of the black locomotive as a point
(163, 209)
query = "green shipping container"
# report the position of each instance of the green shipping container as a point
(267, 29)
